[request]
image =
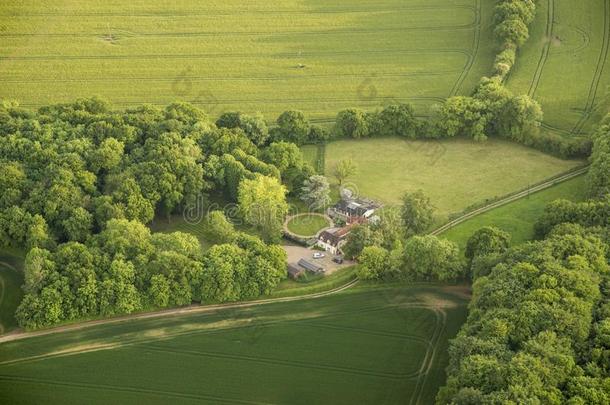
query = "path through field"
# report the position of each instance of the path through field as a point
(365, 345)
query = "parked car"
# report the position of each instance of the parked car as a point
(338, 260)
(318, 255)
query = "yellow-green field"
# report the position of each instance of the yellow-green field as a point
(318, 56)
(454, 173)
(564, 65)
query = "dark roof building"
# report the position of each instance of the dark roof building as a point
(354, 208)
(307, 265)
(295, 271)
(333, 236)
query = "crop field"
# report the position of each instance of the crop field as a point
(518, 218)
(453, 173)
(564, 65)
(318, 56)
(274, 353)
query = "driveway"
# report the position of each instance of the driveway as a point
(296, 253)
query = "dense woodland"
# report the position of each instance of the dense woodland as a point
(538, 329)
(80, 182)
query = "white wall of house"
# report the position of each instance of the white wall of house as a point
(327, 247)
(369, 213)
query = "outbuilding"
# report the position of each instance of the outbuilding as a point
(307, 265)
(295, 271)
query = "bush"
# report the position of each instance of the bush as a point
(352, 123)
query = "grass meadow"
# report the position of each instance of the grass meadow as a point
(454, 173)
(318, 56)
(278, 353)
(564, 64)
(518, 217)
(11, 279)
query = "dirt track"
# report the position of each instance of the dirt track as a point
(193, 309)
(19, 335)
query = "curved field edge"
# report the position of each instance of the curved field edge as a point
(241, 339)
(564, 65)
(519, 216)
(306, 224)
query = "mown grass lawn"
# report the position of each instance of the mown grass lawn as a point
(367, 345)
(318, 56)
(307, 225)
(518, 218)
(454, 173)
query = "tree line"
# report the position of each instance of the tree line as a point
(491, 111)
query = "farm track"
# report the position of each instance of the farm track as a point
(138, 341)
(428, 362)
(366, 331)
(195, 13)
(231, 55)
(546, 49)
(335, 31)
(210, 308)
(279, 362)
(194, 309)
(421, 374)
(126, 389)
(599, 69)
(196, 79)
(586, 41)
(266, 101)
(559, 131)
(510, 199)
(474, 52)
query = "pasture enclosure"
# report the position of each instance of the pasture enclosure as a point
(269, 56)
(518, 217)
(564, 64)
(454, 173)
(275, 353)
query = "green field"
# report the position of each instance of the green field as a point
(367, 345)
(518, 218)
(453, 173)
(11, 279)
(564, 64)
(227, 55)
(307, 225)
